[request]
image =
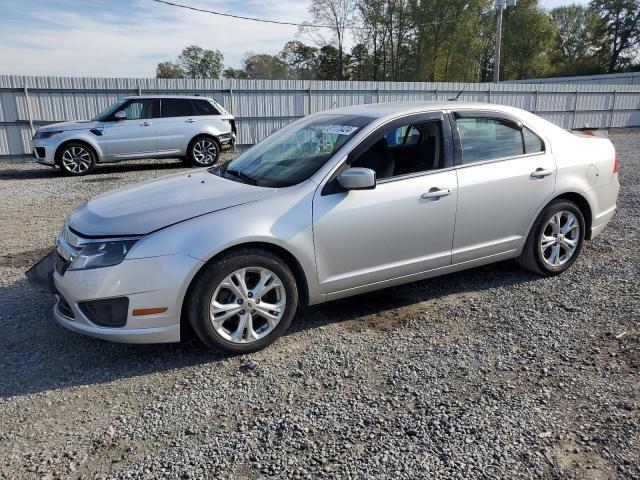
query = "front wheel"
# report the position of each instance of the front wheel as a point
(76, 159)
(243, 302)
(204, 151)
(555, 240)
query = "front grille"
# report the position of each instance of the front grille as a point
(60, 264)
(64, 308)
(109, 312)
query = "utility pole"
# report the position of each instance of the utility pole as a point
(499, 5)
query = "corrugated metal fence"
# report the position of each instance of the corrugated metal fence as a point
(263, 106)
(630, 78)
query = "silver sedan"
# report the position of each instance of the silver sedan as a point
(336, 204)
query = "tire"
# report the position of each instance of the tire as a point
(203, 151)
(76, 159)
(556, 254)
(231, 332)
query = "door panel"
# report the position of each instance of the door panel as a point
(134, 137)
(496, 203)
(368, 236)
(176, 122)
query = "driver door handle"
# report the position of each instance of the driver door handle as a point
(146, 124)
(191, 120)
(437, 193)
(541, 172)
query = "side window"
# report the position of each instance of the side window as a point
(406, 135)
(421, 151)
(139, 109)
(204, 107)
(488, 139)
(175, 107)
(532, 142)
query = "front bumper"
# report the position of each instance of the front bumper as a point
(156, 282)
(44, 150)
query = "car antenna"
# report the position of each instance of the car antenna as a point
(455, 99)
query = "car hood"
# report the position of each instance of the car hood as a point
(65, 126)
(145, 207)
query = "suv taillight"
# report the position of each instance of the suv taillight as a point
(616, 164)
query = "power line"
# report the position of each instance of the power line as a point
(241, 17)
(277, 22)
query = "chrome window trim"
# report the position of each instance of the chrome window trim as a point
(501, 159)
(409, 176)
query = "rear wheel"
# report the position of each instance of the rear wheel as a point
(243, 302)
(555, 240)
(204, 151)
(76, 159)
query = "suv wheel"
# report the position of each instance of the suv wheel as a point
(76, 159)
(243, 302)
(555, 240)
(204, 151)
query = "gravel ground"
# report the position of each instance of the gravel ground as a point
(490, 373)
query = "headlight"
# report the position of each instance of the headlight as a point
(101, 254)
(47, 134)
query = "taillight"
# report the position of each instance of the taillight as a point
(616, 164)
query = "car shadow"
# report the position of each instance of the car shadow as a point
(40, 172)
(39, 355)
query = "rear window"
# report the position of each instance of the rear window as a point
(175, 107)
(204, 107)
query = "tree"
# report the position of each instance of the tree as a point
(527, 41)
(300, 58)
(337, 15)
(234, 73)
(265, 66)
(169, 70)
(622, 28)
(359, 63)
(328, 64)
(197, 62)
(579, 38)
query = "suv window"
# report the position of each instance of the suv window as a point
(138, 109)
(204, 107)
(411, 148)
(488, 138)
(175, 107)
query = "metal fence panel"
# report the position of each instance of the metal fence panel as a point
(263, 106)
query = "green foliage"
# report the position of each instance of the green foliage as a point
(265, 66)
(169, 70)
(621, 28)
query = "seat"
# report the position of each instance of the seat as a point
(377, 158)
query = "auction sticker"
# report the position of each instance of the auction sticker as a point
(339, 129)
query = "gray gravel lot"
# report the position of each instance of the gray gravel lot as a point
(490, 373)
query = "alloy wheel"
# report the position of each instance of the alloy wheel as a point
(76, 159)
(560, 238)
(205, 151)
(247, 305)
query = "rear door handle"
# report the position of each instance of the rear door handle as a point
(437, 193)
(146, 124)
(191, 120)
(541, 172)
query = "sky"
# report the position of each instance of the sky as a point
(127, 38)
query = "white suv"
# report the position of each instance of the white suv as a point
(193, 128)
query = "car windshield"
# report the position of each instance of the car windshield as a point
(105, 114)
(294, 153)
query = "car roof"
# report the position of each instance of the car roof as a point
(379, 110)
(191, 97)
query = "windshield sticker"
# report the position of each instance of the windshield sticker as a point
(339, 129)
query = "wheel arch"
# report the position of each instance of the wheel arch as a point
(287, 257)
(583, 205)
(205, 135)
(94, 150)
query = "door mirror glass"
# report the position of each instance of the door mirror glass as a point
(357, 178)
(121, 115)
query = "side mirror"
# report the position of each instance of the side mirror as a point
(121, 115)
(357, 178)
